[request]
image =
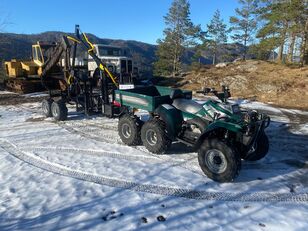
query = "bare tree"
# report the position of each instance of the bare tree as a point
(4, 21)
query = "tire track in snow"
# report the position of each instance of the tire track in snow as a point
(82, 131)
(117, 155)
(101, 137)
(148, 188)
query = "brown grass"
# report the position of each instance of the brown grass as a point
(285, 86)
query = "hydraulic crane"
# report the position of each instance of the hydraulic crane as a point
(90, 94)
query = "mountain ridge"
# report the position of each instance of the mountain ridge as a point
(18, 46)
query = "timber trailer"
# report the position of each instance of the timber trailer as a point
(222, 133)
(90, 94)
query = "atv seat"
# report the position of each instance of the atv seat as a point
(187, 105)
(176, 94)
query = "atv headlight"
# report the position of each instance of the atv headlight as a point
(250, 116)
(246, 117)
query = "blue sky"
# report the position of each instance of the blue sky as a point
(140, 20)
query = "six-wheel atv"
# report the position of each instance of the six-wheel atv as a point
(222, 133)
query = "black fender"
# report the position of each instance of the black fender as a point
(219, 125)
(207, 133)
(172, 117)
(201, 123)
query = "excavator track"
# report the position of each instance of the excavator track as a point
(24, 86)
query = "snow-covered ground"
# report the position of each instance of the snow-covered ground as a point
(76, 175)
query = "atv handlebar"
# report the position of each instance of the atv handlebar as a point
(223, 96)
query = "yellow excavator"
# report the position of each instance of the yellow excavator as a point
(24, 75)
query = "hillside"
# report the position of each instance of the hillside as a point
(263, 81)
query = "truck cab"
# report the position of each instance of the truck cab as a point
(116, 60)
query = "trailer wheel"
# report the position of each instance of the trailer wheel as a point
(261, 150)
(218, 160)
(129, 129)
(59, 110)
(154, 136)
(46, 107)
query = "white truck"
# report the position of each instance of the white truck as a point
(116, 60)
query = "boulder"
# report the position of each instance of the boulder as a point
(267, 88)
(220, 65)
(248, 67)
(237, 82)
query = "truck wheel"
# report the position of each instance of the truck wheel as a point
(129, 130)
(262, 149)
(59, 110)
(218, 160)
(154, 136)
(46, 107)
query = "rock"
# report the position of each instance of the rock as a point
(237, 60)
(262, 225)
(237, 82)
(111, 215)
(161, 218)
(262, 87)
(248, 67)
(144, 220)
(220, 65)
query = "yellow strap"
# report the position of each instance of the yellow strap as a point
(91, 45)
(73, 39)
(70, 79)
(103, 68)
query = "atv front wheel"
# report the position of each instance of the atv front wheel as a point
(261, 150)
(154, 136)
(129, 130)
(218, 160)
(59, 110)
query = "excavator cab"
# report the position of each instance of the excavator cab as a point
(41, 51)
(33, 68)
(37, 55)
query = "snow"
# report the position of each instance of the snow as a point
(77, 175)
(7, 93)
(35, 94)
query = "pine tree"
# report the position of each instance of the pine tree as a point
(285, 23)
(217, 33)
(179, 34)
(244, 24)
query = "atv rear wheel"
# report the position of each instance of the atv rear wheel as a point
(129, 130)
(154, 136)
(218, 160)
(59, 110)
(261, 150)
(46, 107)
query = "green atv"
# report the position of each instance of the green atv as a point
(222, 133)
